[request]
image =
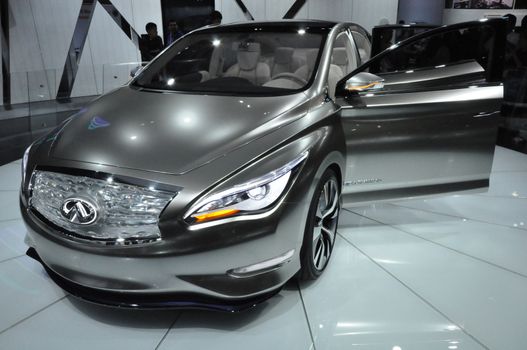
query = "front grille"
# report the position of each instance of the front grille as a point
(102, 211)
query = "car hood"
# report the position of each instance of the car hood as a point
(171, 133)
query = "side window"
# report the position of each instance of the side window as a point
(464, 54)
(343, 55)
(363, 46)
(442, 49)
(343, 61)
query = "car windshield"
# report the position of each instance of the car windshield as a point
(246, 60)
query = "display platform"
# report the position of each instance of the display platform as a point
(445, 273)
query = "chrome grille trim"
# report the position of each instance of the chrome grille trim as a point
(126, 214)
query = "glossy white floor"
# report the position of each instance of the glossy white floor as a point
(448, 273)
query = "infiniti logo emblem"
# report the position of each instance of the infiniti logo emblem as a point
(79, 211)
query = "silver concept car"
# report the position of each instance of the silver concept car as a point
(218, 173)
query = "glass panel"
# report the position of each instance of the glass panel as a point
(344, 56)
(363, 46)
(444, 48)
(19, 97)
(85, 82)
(42, 89)
(19, 88)
(238, 62)
(116, 75)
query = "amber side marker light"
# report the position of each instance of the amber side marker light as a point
(215, 215)
(354, 88)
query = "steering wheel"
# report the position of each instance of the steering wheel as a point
(290, 76)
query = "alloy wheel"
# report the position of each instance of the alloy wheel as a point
(326, 219)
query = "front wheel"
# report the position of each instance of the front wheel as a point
(321, 227)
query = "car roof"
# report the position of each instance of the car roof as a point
(285, 24)
(406, 26)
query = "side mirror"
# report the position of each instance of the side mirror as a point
(364, 81)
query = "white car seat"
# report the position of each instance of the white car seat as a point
(284, 61)
(306, 70)
(217, 61)
(340, 58)
(334, 75)
(249, 66)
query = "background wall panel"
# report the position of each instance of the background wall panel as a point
(343, 10)
(41, 32)
(116, 46)
(230, 11)
(1, 74)
(25, 48)
(275, 9)
(257, 9)
(54, 37)
(86, 81)
(53, 33)
(451, 16)
(369, 13)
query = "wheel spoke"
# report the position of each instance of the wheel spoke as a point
(335, 214)
(324, 229)
(332, 205)
(319, 252)
(330, 211)
(329, 234)
(324, 248)
(317, 233)
(319, 213)
(326, 194)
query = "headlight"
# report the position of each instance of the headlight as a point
(250, 197)
(24, 164)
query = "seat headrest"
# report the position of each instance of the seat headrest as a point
(249, 47)
(248, 55)
(363, 55)
(283, 55)
(340, 57)
(311, 57)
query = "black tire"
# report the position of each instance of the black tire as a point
(311, 266)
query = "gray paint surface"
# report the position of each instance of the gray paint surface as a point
(437, 140)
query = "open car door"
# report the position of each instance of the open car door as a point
(421, 117)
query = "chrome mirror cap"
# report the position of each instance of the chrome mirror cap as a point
(364, 82)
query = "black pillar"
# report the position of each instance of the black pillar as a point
(6, 70)
(292, 12)
(76, 46)
(121, 21)
(245, 10)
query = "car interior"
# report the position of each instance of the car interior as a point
(267, 65)
(257, 62)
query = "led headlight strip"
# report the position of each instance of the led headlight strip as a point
(250, 197)
(24, 163)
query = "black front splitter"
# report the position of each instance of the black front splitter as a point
(151, 301)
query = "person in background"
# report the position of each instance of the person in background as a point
(174, 32)
(511, 55)
(522, 43)
(511, 22)
(151, 43)
(215, 18)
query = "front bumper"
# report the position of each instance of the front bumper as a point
(197, 280)
(151, 301)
